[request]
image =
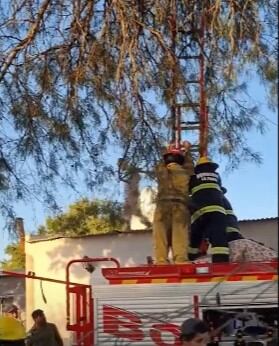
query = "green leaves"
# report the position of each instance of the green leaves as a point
(16, 258)
(86, 217)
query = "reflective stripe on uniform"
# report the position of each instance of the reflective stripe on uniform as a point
(229, 212)
(193, 250)
(205, 186)
(205, 210)
(232, 229)
(220, 250)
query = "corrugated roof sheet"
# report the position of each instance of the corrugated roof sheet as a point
(38, 238)
(260, 219)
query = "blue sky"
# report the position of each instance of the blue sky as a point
(252, 189)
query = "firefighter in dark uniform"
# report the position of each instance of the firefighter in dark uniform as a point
(208, 220)
(172, 217)
(240, 248)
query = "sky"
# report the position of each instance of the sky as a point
(252, 189)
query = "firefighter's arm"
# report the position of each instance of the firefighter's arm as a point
(57, 336)
(188, 163)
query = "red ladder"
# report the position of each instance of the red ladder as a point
(199, 106)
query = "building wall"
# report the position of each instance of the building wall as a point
(49, 259)
(264, 231)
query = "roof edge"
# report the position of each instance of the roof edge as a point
(40, 238)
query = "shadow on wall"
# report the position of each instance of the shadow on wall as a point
(128, 248)
(62, 252)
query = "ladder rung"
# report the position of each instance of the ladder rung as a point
(193, 81)
(189, 57)
(190, 122)
(188, 104)
(194, 148)
(190, 125)
(185, 127)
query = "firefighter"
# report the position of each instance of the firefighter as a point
(209, 218)
(232, 230)
(242, 249)
(172, 218)
(12, 332)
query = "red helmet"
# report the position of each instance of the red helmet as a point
(171, 149)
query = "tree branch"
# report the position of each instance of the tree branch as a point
(26, 41)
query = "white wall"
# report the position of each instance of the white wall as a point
(264, 231)
(49, 259)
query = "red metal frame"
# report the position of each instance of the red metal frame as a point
(203, 105)
(84, 318)
(178, 128)
(176, 273)
(35, 277)
(203, 109)
(83, 325)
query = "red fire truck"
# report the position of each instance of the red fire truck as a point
(146, 305)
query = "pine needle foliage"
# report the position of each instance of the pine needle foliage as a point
(80, 76)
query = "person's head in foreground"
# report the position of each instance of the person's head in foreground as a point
(39, 317)
(194, 332)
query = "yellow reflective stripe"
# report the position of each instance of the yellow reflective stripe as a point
(229, 212)
(219, 250)
(205, 186)
(192, 250)
(159, 281)
(129, 281)
(232, 229)
(204, 210)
